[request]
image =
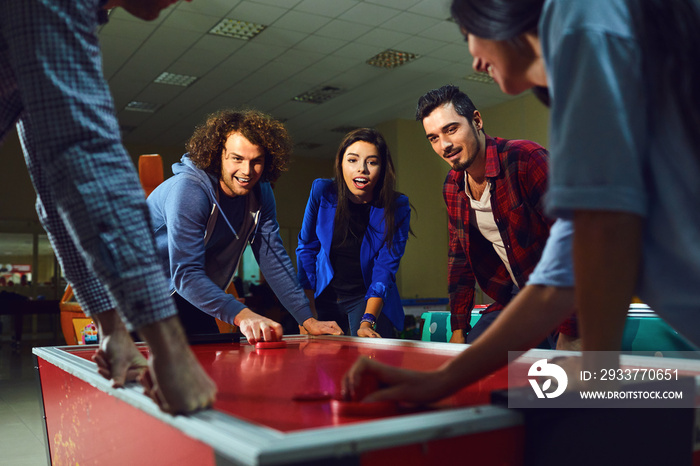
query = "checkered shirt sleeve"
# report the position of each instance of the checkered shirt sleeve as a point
(88, 194)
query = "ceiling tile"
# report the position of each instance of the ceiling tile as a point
(157, 93)
(256, 13)
(289, 109)
(121, 13)
(119, 28)
(383, 38)
(282, 3)
(206, 54)
(320, 44)
(454, 53)
(331, 9)
(116, 53)
(329, 67)
(419, 45)
(279, 37)
(307, 44)
(398, 4)
(218, 8)
(372, 15)
(296, 57)
(410, 23)
(434, 8)
(303, 22)
(345, 30)
(360, 51)
(446, 30)
(188, 21)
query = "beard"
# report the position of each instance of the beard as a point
(462, 165)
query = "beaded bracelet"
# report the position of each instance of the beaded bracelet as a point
(367, 317)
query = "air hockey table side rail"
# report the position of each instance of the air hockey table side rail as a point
(88, 420)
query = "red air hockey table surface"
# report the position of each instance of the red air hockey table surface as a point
(256, 421)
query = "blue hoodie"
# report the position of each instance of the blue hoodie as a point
(200, 237)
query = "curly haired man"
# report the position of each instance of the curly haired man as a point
(218, 201)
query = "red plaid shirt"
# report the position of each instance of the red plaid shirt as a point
(518, 172)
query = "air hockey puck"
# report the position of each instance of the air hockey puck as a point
(270, 345)
(362, 409)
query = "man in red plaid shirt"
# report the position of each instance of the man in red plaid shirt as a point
(494, 195)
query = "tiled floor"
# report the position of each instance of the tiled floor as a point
(21, 426)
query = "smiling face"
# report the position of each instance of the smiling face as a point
(515, 65)
(459, 142)
(362, 168)
(242, 165)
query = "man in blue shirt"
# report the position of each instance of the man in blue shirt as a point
(218, 201)
(88, 195)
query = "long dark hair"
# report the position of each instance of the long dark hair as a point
(385, 194)
(668, 33)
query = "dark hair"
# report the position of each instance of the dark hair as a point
(385, 193)
(668, 34)
(207, 143)
(446, 94)
(497, 19)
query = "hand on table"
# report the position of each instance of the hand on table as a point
(174, 380)
(258, 328)
(117, 358)
(391, 383)
(321, 327)
(367, 332)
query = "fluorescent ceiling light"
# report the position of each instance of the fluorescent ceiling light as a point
(146, 107)
(391, 59)
(480, 77)
(237, 29)
(175, 79)
(318, 96)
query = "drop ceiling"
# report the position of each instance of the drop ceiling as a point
(306, 45)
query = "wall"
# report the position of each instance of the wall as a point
(522, 118)
(16, 192)
(291, 193)
(420, 174)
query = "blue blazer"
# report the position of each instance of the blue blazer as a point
(379, 264)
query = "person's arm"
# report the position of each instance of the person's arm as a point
(172, 376)
(277, 268)
(385, 266)
(175, 380)
(529, 317)
(374, 307)
(607, 253)
(460, 286)
(312, 305)
(186, 209)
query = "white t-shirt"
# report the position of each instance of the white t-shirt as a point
(481, 215)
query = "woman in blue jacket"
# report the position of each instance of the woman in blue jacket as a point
(353, 237)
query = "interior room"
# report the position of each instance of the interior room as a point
(321, 67)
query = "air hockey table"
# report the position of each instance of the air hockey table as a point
(256, 421)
